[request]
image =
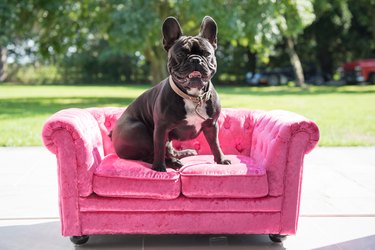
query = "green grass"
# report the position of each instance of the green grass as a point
(345, 115)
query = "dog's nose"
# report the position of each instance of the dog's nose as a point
(196, 60)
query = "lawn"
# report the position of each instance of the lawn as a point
(345, 115)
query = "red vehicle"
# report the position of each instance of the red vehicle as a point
(362, 70)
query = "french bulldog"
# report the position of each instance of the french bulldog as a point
(179, 107)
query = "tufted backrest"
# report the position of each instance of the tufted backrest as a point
(106, 118)
(235, 131)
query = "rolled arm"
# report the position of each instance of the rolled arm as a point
(273, 135)
(75, 134)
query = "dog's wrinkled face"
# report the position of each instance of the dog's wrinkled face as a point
(191, 59)
(192, 62)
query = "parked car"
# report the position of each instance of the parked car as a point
(282, 75)
(266, 79)
(358, 71)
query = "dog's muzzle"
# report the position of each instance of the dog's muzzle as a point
(195, 74)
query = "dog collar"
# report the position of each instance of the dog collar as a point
(196, 99)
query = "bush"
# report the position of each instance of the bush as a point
(34, 74)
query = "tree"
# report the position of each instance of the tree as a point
(260, 25)
(132, 27)
(363, 12)
(333, 22)
(295, 16)
(15, 23)
(136, 26)
(53, 25)
(341, 32)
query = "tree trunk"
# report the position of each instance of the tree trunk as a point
(158, 62)
(296, 63)
(3, 63)
(252, 61)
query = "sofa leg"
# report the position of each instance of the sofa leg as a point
(79, 240)
(278, 238)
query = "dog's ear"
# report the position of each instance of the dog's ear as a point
(171, 32)
(209, 30)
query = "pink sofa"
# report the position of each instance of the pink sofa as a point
(258, 194)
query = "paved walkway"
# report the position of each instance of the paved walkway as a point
(337, 208)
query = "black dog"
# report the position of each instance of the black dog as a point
(179, 107)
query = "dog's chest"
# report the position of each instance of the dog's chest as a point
(194, 113)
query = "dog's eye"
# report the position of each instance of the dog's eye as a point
(207, 54)
(180, 55)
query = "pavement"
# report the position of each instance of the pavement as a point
(337, 207)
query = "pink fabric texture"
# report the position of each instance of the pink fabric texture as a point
(202, 178)
(106, 119)
(258, 193)
(180, 223)
(87, 143)
(117, 177)
(96, 203)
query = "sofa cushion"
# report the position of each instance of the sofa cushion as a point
(117, 177)
(201, 177)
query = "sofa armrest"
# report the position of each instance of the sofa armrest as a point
(74, 136)
(273, 135)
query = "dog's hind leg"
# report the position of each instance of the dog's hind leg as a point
(133, 141)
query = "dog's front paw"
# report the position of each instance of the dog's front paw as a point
(223, 161)
(226, 162)
(173, 163)
(159, 167)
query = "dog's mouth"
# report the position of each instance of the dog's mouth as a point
(195, 74)
(196, 80)
(193, 80)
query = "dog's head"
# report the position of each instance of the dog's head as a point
(191, 59)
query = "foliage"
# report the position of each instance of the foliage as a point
(36, 74)
(101, 63)
(15, 21)
(96, 39)
(132, 25)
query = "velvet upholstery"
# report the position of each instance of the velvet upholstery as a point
(258, 193)
(96, 203)
(201, 177)
(117, 177)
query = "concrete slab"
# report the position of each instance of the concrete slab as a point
(337, 208)
(339, 181)
(28, 183)
(314, 233)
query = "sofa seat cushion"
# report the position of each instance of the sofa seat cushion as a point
(201, 177)
(116, 177)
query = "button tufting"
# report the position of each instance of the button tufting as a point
(107, 124)
(197, 146)
(227, 123)
(239, 147)
(247, 124)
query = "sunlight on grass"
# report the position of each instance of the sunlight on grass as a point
(345, 115)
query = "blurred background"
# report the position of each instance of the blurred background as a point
(261, 42)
